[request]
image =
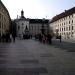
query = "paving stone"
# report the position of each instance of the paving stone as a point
(46, 55)
(3, 61)
(29, 61)
(29, 57)
(22, 71)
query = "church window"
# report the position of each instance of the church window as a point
(18, 27)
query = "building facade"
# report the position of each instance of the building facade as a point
(31, 26)
(38, 26)
(5, 20)
(64, 24)
(22, 25)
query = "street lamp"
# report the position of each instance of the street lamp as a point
(57, 34)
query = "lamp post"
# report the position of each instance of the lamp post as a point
(57, 30)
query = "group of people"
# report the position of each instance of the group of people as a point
(44, 38)
(7, 37)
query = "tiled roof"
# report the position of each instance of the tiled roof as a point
(63, 14)
(38, 21)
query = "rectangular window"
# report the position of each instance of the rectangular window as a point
(64, 29)
(72, 16)
(72, 27)
(60, 29)
(72, 21)
(64, 23)
(69, 16)
(72, 32)
(69, 27)
(69, 22)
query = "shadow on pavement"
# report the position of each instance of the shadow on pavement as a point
(68, 46)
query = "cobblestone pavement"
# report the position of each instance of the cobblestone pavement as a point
(30, 57)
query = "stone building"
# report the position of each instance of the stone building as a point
(31, 26)
(5, 20)
(64, 24)
(38, 26)
(22, 25)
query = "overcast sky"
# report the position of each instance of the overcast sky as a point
(37, 8)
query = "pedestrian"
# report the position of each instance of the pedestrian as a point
(43, 39)
(50, 38)
(46, 39)
(3, 38)
(13, 36)
(60, 38)
(7, 37)
(10, 38)
(40, 37)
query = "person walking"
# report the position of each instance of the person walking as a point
(13, 36)
(60, 38)
(50, 38)
(10, 38)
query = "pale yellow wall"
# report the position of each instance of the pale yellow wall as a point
(63, 23)
(4, 19)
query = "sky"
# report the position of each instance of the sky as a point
(37, 8)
